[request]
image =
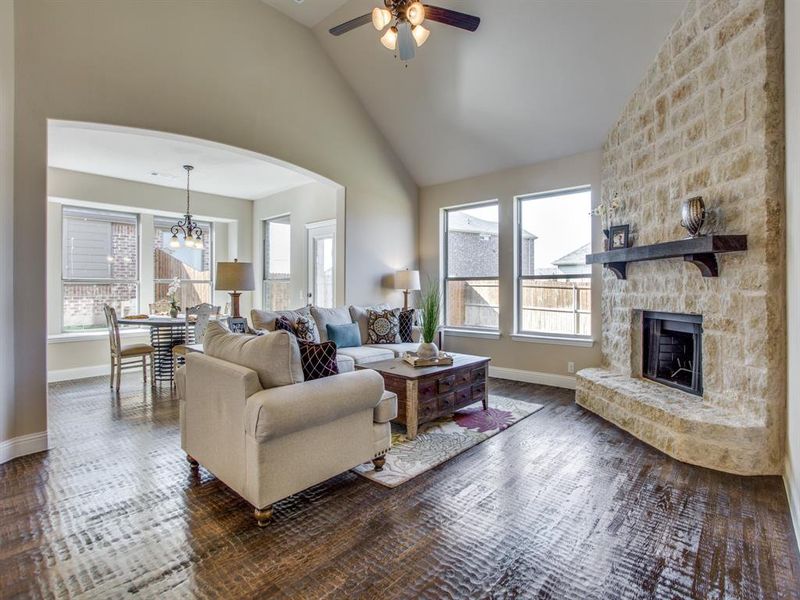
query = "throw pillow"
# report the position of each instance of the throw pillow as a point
(384, 326)
(406, 325)
(319, 360)
(284, 324)
(306, 329)
(345, 336)
(329, 316)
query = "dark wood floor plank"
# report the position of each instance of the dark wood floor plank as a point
(561, 505)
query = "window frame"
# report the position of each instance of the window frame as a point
(211, 256)
(444, 268)
(137, 282)
(519, 278)
(265, 262)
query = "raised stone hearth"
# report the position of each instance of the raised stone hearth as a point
(707, 121)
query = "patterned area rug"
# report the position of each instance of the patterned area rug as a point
(444, 438)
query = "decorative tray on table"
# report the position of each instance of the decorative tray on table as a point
(443, 360)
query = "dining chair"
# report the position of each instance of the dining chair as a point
(197, 317)
(129, 356)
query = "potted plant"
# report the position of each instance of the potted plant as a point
(429, 311)
(172, 290)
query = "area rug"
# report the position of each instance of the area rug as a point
(442, 439)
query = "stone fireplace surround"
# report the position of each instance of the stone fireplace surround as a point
(706, 120)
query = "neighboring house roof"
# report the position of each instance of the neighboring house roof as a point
(576, 257)
(460, 221)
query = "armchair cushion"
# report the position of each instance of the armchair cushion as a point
(275, 356)
(277, 412)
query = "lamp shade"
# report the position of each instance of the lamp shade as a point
(236, 276)
(406, 280)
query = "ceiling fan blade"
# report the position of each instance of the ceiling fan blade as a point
(405, 42)
(452, 17)
(351, 24)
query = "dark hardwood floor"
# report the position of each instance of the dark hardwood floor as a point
(561, 505)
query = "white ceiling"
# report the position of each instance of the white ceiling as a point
(539, 79)
(158, 159)
(307, 12)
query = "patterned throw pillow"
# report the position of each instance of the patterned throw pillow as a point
(406, 324)
(383, 327)
(284, 324)
(318, 360)
(305, 329)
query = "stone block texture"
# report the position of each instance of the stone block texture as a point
(706, 120)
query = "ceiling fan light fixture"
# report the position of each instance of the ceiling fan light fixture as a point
(389, 39)
(380, 18)
(420, 34)
(415, 13)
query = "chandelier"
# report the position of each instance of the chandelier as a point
(192, 234)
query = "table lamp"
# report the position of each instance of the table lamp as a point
(407, 281)
(235, 277)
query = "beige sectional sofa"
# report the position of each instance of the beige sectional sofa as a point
(250, 419)
(346, 358)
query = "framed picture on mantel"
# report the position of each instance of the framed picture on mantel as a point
(619, 236)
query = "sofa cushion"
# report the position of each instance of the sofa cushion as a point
(366, 354)
(265, 319)
(332, 316)
(275, 356)
(383, 327)
(398, 349)
(360, 315)
(346, 364)
(345, 336)
(318, 360)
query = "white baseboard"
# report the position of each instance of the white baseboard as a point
(793, 495)
(22, 445)
(77, 373)
(562, 381)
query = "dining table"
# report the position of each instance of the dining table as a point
(165, 333)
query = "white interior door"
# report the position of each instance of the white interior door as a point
(322, 263)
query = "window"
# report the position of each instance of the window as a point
(554, 286)
(100, 265)
(191, 266)
(471, 267)
(277, 263)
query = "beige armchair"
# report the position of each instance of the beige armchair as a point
(267, 444)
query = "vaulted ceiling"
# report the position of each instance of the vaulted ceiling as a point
(539, 79)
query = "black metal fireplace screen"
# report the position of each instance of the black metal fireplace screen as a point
(673, 350)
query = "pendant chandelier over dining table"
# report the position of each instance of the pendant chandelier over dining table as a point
(192, 234)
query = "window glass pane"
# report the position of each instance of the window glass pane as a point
(323, 271)
(472, 242)
(191, 293)
(277, 263)
(556, 234)
(561, 306)
(83, 303)
(472, 303)
(99, 245)
(181, 262)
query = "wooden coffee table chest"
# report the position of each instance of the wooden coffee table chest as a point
(426, 393)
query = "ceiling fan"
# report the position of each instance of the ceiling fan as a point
(402, 20)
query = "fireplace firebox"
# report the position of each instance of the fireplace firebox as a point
(673, 350)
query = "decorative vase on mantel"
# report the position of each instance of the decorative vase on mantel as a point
(693, 215)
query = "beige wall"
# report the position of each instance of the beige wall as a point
(7, 425)
(582, 169)
(792, 472)
(305, 204)
(235, 72)
(232, 239)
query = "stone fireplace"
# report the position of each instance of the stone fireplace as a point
(706, 120)
(672, 350)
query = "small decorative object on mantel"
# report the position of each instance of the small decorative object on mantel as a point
(604, 210)
(429, 310)
(415, 360)
(619, 236)
(693, 215)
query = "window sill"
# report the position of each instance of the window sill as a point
(90, 336)
(473, 333)
(552, 339)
